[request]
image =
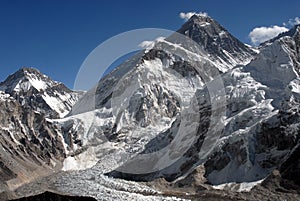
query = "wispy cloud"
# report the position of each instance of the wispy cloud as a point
(150, 44)
(188, 15)
(292, 22)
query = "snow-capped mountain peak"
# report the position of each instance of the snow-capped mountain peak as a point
(223, 48)
(24, 79)
(30, 87)
(201, 19)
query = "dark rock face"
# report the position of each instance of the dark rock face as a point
(290, 170)
(5, 172)
(49, 196)
(216, 40)
(28, 141)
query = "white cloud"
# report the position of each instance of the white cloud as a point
(262, 34)
(147, 44)
(188, 15)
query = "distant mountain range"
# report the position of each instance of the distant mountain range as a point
(199, 115)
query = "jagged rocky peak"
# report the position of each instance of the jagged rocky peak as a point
(200, 27)
(27, 77)
(221, 46)
(27, 71)
(32, 88)
(204, 22)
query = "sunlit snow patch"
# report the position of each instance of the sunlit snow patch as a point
(82, 161)
(238, 187)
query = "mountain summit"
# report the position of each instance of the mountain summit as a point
(36, 90)
(24, 79)
(222, 47)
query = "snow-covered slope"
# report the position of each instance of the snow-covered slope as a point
(256, 137)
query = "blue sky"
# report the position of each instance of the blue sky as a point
(56, 36)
